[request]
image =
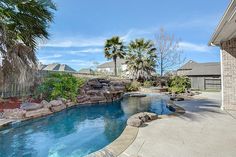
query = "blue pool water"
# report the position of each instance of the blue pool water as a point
(74, 132)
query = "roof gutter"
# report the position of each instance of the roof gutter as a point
(221, 25)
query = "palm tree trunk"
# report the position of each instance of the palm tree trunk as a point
(115, 69)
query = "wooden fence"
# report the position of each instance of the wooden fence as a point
(15, 90)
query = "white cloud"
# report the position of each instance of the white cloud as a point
(75, 42)
(206, 22)
(137, 33)
(89, 50)
(187, 46)
(52, 56)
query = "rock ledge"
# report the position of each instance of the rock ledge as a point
(139, 119)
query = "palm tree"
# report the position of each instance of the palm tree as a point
(22, 24)
(114, 49)
(141, 59)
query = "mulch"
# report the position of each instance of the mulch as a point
(12, 103)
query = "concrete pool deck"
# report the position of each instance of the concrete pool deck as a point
(203, 131)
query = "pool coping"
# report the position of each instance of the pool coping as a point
(119, 145)
(130, 133)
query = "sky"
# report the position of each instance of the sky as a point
(80, 28)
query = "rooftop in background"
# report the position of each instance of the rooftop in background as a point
(56, 67)
(193, 68)
(86, 71)
(111, 64)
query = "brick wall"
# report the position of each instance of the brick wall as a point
(229, 74)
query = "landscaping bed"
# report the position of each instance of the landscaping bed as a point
(92, 91)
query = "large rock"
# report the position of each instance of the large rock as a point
(30, 106)
(100, 90)
(152, 116)
(94, 92)
(116, 83)
(13, 113)
(38, 113)
(96, 99)
(104, 81)
(56, 103)
(45, 104)
(140, 118)
(94, 83)
(136, 122)
(57, 108)
(81, 99)
(63, 100)
(70, 104)
(118, 88)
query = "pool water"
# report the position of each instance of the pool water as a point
(75, 132)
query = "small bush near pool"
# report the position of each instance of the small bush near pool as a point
(133, 86)
(59, 85)
(179, 84)
(147, 84)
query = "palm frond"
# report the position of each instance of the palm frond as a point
(22, 23)
(141, 59)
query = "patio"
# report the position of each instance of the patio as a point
(202, 131)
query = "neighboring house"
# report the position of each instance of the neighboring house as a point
(86, 71)
(56, 67)
(108, 67)
(203, 76)
(225, 37)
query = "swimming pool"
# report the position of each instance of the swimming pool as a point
(77, 131)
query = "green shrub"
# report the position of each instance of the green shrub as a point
(178, 84)
(133, 86)
(60, 86)
(81, 82)
(148, 84)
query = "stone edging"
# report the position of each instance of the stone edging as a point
(130, 133)
(5, 122)
(119, 145)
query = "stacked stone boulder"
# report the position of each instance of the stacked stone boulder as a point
(101, 91)
(34, 110)
(94, 91)
(139, 119)
(57, 105)
(13, 113)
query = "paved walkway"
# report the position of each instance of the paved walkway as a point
(203, 131)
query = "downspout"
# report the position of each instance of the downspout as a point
(222, 78)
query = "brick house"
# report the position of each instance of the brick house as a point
(225, 38)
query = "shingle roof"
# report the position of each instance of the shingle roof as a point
(188, 66)
(57, 67)
(86, 71)
(198, 69)
(111, 64)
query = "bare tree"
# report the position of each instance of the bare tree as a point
(168, 52)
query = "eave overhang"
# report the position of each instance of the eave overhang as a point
(226, 29)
